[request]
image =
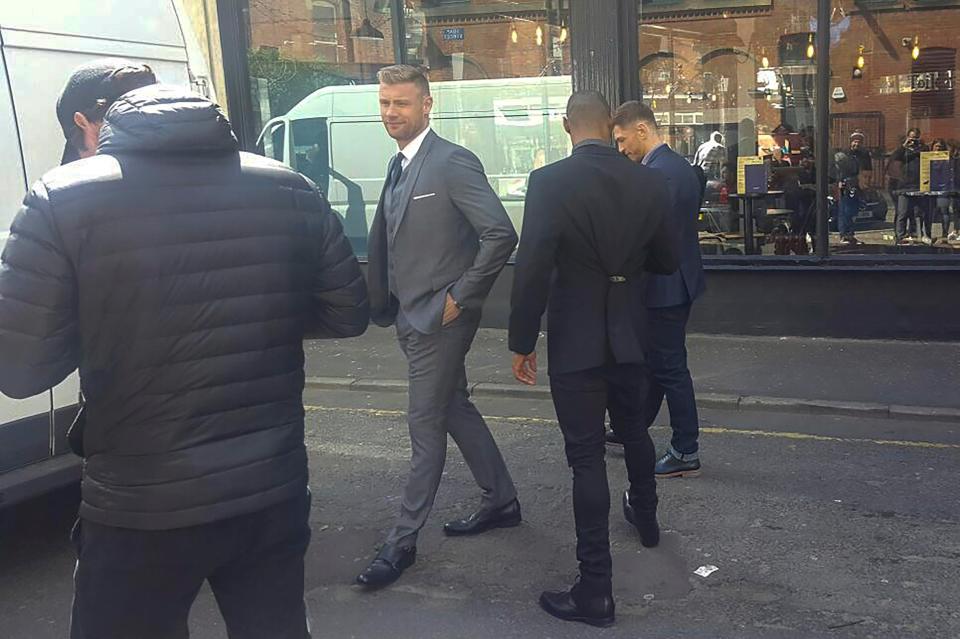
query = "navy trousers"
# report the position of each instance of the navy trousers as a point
(667, 362)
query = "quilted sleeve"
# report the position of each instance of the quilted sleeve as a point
(340, 304)
(39, 336)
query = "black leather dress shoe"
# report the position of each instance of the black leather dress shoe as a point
(645, 521)
(596, 611)
(483, 520)
(387, 566)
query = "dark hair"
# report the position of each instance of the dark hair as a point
(588, 107)
(633, 112)
(914, 129)
(404, 74)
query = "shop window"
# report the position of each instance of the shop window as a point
(893, 96)
(499, 82)
(323, 13)
(932, 83)
(733, 86)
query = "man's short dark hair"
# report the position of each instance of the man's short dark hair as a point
(585, 108)
(632, 112)
(404, 74)
(914, 129)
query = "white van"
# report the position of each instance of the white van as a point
(335, 137)
(41, 42)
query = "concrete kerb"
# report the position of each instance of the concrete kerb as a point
(704, 400)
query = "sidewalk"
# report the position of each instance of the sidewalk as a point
(916, 380)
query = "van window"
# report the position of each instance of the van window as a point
(272, 142)
(311, 151)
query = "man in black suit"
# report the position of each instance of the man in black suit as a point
(592, 224)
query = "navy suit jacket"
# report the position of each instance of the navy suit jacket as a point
(683, 185)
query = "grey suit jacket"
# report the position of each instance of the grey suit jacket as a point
(453, 236)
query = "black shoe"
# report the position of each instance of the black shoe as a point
(644, 521)
(596, 611)
(387, 566)
(670, 466)
(483, 520)
(613, 439)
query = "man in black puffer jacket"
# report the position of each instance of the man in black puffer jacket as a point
(181, 277)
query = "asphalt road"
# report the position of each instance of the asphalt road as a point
(818, 527)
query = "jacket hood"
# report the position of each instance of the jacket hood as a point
(165, 119)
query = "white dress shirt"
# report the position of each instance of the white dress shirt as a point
(410, 151)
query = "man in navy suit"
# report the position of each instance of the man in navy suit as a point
(669, 297)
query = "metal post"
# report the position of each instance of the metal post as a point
(398, 23)
(231, 15)
(822, 151)
(603, 45)
(629, 44)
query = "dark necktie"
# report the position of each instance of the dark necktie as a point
(396, 170)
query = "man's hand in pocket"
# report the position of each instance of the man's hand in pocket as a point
(450, 311)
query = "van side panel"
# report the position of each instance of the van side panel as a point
(43, 41)
(143, 21)
(36, 101)
(12, 176)
(12, 188)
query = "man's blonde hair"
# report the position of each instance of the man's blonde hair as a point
(404, 74)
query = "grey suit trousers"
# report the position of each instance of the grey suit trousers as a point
(440, 404)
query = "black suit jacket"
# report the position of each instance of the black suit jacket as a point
(592, 224)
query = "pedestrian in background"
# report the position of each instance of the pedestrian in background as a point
(906, 159)
(438, 241)
(592, 224)
(845, 169)
(669, 298)
(181, 276)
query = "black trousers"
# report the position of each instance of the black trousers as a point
(581, 400)
(140, 584)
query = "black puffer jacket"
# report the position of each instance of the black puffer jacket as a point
(181, 277)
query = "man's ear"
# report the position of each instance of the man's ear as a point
(81, 120)
(566, 124)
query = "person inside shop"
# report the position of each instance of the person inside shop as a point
(846, 171)
(946, 206)
(904, 167)
(711, 156)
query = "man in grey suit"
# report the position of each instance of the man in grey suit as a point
(439, 239)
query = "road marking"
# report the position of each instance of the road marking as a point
(712, 430)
